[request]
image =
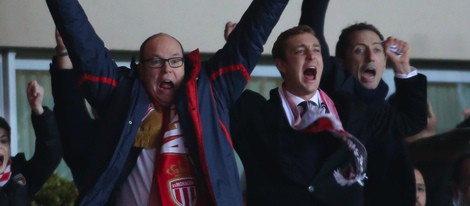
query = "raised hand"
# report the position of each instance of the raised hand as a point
(62, 56)
(229, 26)
(35, 94)
(401, 58)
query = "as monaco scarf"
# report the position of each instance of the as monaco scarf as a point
(174, 172)
(317, 120)
(5, 175)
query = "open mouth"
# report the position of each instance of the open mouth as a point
(167, 84)
(310, 73)
(368, 74)
(2, 157)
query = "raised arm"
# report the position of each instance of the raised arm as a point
(48, 150)
(231, 66)
(406, 114)
(76, 126)
(87, 51)
(313, 14)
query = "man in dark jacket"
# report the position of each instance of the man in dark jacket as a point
(187, 149)
(357, 68)
(21, 179)
(302, 156)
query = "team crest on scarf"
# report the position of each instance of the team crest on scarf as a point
(175, 170)
(183, 191)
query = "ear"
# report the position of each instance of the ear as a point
(281, 66)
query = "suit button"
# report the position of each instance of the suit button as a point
(311, 188)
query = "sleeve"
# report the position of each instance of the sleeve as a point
(404, 116)
(87, 51)
(313, 14)
(75, 124)
(407, 114)
(465, 123)
(48, 151)
(231, 66)
(244, 117)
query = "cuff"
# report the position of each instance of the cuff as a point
(413, 73)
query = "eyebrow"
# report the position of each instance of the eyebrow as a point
(305, 46)
(380, 43)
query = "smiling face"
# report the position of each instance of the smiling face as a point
(4, 149)
(365, 58)
(161, 83)
(302, 65)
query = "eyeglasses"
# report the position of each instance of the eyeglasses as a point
(155, 62)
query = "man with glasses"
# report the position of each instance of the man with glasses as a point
(162, 136)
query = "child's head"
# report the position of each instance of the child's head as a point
(4, 144)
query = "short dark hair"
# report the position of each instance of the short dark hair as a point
(142, 46)
(4, 124)
(279, 47)
(345, 37)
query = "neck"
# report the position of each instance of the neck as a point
(304, 96)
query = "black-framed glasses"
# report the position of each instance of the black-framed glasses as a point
(156, 62)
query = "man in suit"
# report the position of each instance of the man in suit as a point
(295, 155)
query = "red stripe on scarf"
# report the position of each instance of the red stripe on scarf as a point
(5, 175)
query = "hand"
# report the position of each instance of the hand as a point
(35, 94)
(60, 48)
(400, 63)
(229, 26)
(62, 57)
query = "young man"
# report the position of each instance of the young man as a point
(358, 67)
(21, 179)
(298, 156)
(163, 126)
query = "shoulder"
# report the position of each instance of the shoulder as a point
(18, 162)
(251, 95)
(249, 101)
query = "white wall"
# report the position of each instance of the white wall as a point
(435, 28)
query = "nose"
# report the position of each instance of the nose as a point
(166, 67)
(370, 55)
(310, 55)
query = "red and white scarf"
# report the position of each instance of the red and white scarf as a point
(5, 175)
(316, 120)
(175, 181)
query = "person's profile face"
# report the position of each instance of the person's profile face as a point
(365, 58)
(303, 65)
(4, 149)
(420, 189)
(162, 82)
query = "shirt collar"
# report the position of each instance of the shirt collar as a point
(297, 100)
